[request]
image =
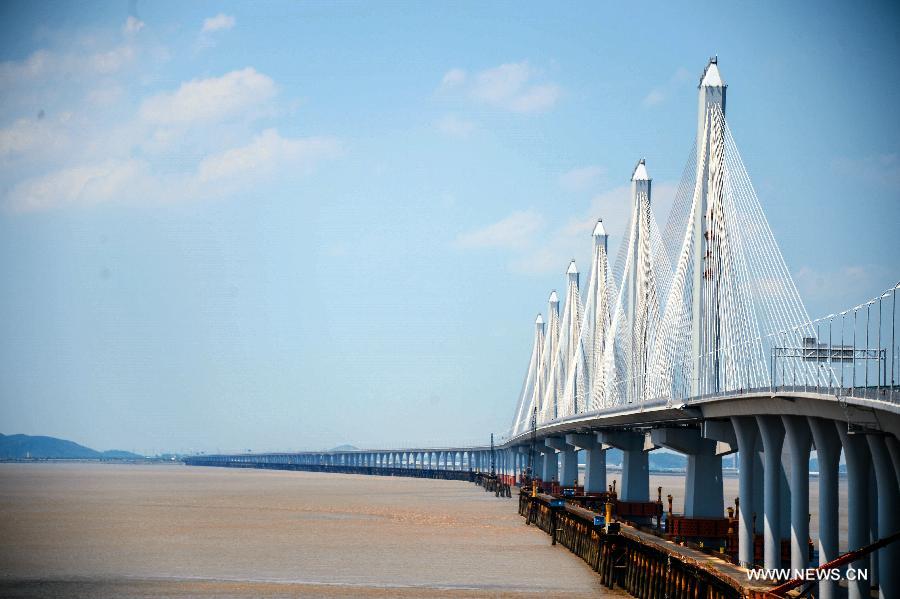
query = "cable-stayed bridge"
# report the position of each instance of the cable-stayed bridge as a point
(694, 338)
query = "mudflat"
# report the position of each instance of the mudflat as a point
(110, 530)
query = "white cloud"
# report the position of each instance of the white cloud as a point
(132, 25)
(217, 175)
(44, 65)
(218, 23)
(32, 137)
(881, 169)
(537, 250)
(580, 179)
(837, 288)
(510, 86)
(265, 153)
(89, 184)
(455, 127)
(213, 99)
(105, 95)
(660, 94)
(513, 232)
(536, 99)
(74, 138)
(105, 63)
(655, 97)
(453, 78)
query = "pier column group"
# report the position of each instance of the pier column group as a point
(635, 463)
(703, 494)
(594, 461)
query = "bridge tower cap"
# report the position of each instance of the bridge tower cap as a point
(640, 171)
(554, 299)
(599, 230)
(572, 270)
(711, 76)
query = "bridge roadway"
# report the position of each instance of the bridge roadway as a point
(440, 462)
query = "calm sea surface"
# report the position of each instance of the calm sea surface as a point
(95, 530)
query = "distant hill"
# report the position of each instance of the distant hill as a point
(344, 447)
(18, 447)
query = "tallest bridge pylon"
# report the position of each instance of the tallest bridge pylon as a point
(708, 193)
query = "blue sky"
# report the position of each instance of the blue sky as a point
(293, 225)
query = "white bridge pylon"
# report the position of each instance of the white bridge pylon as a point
(696, 309)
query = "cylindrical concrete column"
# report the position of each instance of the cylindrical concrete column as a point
(569, 461)
(828, 454)
(595, 469)
(856, 454)
(635, 475)
(798, 441)
(551, 465)
(538, 465)
(888, 517)
(772, 434)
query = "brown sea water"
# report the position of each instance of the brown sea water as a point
(97, 530)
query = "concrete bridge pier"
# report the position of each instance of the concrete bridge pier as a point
(746, 434)
(523, 452)
(856, 454)
(550, 465)
(888, 518)
(539, 461)
(568, 456)
(828, 454)
(798, 440)
(635, 463)
(703, 494)
(594, 461)
(772, 434)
